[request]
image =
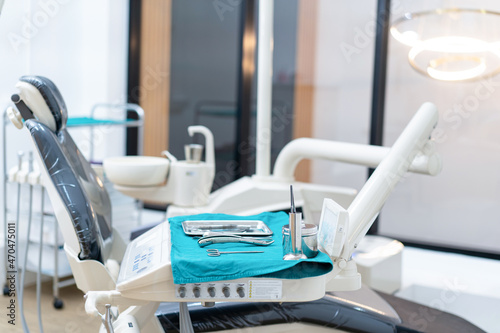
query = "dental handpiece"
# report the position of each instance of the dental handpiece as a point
(20, 155)
(30, 161)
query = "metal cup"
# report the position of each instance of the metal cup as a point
(193, 153)
(308, 245)
(310, 240)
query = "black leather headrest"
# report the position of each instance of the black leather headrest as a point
(52, 97)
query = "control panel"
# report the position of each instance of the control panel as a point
(253, 289)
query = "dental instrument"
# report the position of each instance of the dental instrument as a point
(217, 253)
(218, 239)
(26, 247)
(292, 240)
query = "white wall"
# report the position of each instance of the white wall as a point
(343, 85)
(81, 45)
(457, 208)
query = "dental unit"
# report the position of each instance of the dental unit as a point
(111, 275)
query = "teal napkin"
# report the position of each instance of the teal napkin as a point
(191, 264)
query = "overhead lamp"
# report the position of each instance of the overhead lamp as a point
(451, 44)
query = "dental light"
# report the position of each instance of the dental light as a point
(451, 44)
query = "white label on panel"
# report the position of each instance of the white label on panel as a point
(265, 289)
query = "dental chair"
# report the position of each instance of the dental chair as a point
(99, 259)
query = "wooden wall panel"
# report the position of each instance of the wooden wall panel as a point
(304, 79)
(154, 93)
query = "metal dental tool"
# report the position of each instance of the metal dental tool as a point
(292, 242)
(217, 253)
(208, 240)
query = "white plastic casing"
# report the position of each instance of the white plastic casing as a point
(146, 274)
(333, 226)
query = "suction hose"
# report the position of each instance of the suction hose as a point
(39, 271)
(186, 325)
(23, 270)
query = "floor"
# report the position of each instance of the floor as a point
(70, 319)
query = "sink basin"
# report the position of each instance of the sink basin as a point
(136, 170)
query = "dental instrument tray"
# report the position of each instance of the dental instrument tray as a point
(190, 263)
(233, 227)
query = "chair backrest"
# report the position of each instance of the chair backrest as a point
(80, 201)
(72, 185)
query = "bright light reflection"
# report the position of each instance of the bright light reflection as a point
(459, 75)
(467, 55)
(456, 45)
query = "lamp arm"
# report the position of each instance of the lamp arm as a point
(367, 204)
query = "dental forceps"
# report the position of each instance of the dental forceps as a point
(217, 253)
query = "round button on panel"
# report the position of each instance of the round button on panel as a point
(196, 292)
(211, 291)
(226, 291)
(241, 292)
(182, 292)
